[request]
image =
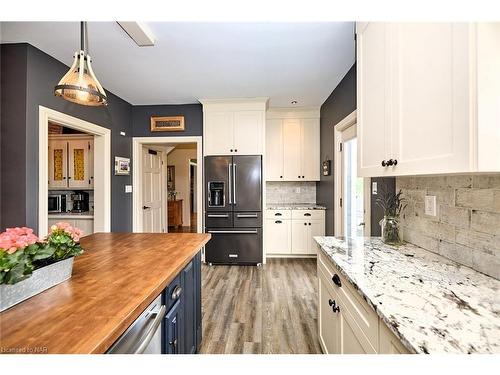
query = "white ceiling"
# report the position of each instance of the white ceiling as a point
(284, 61)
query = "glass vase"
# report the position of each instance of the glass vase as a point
(391, 231)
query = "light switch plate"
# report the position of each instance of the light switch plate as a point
(374, 188)
(430, 205)
(128, 188)
(297, 190)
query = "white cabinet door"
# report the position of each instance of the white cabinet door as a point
(248, 132)
(352, 339)
(317, 228)
(274, 150)
(292, 165)
(79, 165)
(373, 71)
(328, 322)
(278, 236)
(300, 237)
(430, 101)
(389, 343)
(86, 225)
(310, 149)
(58, 164)
(218, 138)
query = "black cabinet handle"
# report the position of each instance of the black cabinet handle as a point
(302, 176)
(390, 162)
(281, 176)
(333, 304)
(176, 293)
(336, 280)
(235, 150)
(305, 223)
(298, 176)
(231, 150)
(145, 207)
(309, 223)
(307, 214)
(278, 221)
(384, 164)
(277, 214)
(395, 161)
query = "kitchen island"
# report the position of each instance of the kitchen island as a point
(404, 299)
(114, 281)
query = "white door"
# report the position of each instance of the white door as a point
(151, 191)
(373, 71)
(58, 164)
(430, 112)
(218, 138)
(248, 132)
(274, 150)
(310, 149)
(353, 204)
(79, 164)
(292, 156)
(278, 236)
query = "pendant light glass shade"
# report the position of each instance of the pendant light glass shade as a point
(79, 84)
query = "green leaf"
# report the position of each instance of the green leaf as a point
(44, 252)
(17, 273)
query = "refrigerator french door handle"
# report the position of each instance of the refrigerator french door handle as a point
(233, 231)
(234, 183)
(229, 166)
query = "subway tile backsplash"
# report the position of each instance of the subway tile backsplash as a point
(291, 192)
(466, 228)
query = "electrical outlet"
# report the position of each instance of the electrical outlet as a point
(128, 188)
(374, 188)
(297, 190)
(430, 205)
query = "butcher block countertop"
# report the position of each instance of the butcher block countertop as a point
(113, 282)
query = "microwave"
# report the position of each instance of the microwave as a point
(57, 203)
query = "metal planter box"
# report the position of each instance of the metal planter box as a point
(41, 279)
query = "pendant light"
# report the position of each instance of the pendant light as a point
(80, 84)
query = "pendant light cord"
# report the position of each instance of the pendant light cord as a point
(84, 38)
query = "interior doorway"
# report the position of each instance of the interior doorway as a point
(352, 193)
(101, 161)
(177, 188)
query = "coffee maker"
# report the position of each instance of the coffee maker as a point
(80, 201)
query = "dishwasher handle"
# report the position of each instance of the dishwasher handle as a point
(154, 327)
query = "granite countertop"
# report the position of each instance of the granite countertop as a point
(294, 206)
(431, 303)
(113, 281)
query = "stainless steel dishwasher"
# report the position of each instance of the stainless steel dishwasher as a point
(144, 336)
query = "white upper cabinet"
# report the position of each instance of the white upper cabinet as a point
(234, 126)
(425, 98)
(293, 145)
(71, 162)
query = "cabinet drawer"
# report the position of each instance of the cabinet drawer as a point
(350, 300)
(282, 214)
(308, 214)
(173, 292)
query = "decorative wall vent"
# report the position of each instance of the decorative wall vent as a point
(167, 124)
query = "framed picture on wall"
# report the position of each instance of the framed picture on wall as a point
(167, 124)
(122, 166)
(170, 177)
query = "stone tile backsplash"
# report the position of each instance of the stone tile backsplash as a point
(466, 228)
(291, 192)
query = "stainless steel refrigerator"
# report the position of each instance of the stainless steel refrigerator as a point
(233, 209)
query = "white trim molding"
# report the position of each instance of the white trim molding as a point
(137, 143)
(102, 167)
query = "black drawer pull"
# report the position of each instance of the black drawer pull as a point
(336, 280)
(333, 304)
(277, 214)
(307, 214)
(278, 222)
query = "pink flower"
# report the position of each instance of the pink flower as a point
(14, 239)
(73, 232)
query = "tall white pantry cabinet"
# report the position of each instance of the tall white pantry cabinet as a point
(428, 98)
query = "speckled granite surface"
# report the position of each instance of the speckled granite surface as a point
(432, 304)
(294, 206)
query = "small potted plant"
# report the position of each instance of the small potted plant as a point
(29, 266)
(392, 205)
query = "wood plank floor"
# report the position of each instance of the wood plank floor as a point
(269, 309)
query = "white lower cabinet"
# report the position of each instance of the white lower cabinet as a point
(346, 324)
(291, 232)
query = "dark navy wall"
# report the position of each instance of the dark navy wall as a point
(12, 135)
(340, 103)
(42, 73)
(193, 119)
